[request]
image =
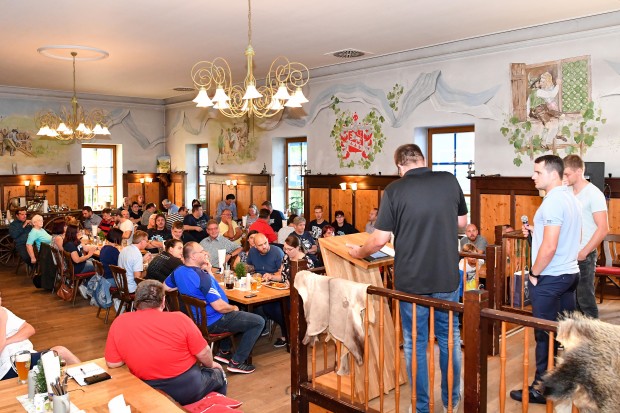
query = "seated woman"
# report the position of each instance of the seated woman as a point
(58, 235)
(247, 244)
(158, 235)
(341, 226)
(165, 263)
(110, 252)
(469, 266)
(80, 255)
(252, 215)
(14, 337)
(328, 231)
(294, 251)
(36, 236)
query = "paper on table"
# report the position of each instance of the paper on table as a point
(221, 258)
(387, 250)
(118, 405)
(51, 367)
(85, 370)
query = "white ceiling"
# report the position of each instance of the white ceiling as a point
(154, 43)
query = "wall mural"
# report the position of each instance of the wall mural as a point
(552, 108)
(235, 144)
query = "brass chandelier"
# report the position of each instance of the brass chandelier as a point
(75, 123)
(282, 85)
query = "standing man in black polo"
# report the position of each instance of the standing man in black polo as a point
(424, 210)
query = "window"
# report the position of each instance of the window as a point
(202, 162)
(296, 153)
(452, 150)
(99, 163)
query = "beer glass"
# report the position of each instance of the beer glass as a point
(21, 364)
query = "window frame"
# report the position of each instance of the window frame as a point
(198, 166)
(114, 169)
(287, 188)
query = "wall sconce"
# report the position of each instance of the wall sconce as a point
(27, 183)
(353, 186)
(149, 180)
(343, 186)
(231, 183)
(141, 180)
(37, 184)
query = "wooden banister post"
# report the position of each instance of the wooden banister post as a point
(299, 353)
(475, 363)
(493, 264)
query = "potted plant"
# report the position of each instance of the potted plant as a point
(240, 270)
(296, 205)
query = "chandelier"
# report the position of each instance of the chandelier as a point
(75, 123)
(281, 88)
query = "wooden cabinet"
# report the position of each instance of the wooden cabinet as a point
(155, 187)
(250, 189)
(58, 189)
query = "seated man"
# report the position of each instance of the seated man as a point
(229, 228)
(174, 344)
(135, 213)
(149, 210)
(229, 204)
(372, 218)
(14, 337)
(315, 227)
(126, 226)
(265, 259)
(19, 230)
(195, 223)
(107, 221)
(132, 261)
(262, 225)
(90, 218)
(178, 216)
(169, 206)
(472, 237)
(190, 279)
(215, 242)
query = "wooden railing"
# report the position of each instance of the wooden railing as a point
(478, 320)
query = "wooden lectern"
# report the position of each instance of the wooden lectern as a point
(338, 263)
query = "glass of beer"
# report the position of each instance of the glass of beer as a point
(229, 279)
(254, 284)
(21, 365)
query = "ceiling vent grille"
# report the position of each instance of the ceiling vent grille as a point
(184, 89)
(348, 53)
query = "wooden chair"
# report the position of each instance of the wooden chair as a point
(59, 260)
(197, 310)
(172, 301)
(127, 298)
(75, 279)
(113, 290)
(611, 251)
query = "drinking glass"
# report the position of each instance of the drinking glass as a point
(21, 364)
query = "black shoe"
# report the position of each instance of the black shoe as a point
(223, 357)
(279, 343)
(242, 368)
(535, 396)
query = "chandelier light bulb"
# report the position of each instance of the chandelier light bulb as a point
(105, 131)
(251, 92)
(202, 99)
(221, 105)
(282, 93)
(275, 104)
(299, 95)
(292, 103)
(220, 95)
(62, 127)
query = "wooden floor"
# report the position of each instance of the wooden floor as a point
(266, 391)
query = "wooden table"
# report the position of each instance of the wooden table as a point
(263, 295)
(95, 397)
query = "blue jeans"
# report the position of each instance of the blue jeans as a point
(441, 332)
(586, 296)
(249, 325)
(551, 296)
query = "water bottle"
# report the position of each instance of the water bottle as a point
(32, 375)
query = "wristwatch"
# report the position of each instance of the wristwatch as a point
(534, 276)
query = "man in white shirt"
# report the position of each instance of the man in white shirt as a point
(594, 228)
(132, 261)
(372, 218)
(126, 226)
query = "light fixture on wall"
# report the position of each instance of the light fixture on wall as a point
(231, 183)
(343, 186)
(353, 186)
(149, 180)
(75, 123)
(282, 86)
(141, 180)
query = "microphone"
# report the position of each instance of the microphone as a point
(525, 221)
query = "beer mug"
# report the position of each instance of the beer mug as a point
(21, 364)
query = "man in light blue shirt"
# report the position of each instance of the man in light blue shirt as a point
(229, 204)
(555, 245)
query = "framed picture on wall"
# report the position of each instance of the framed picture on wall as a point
(163, 164)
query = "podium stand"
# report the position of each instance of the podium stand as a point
(338, 263)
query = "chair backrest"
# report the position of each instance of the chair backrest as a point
(59, 260)
(98, 267)
(611, 248)
(172, 300)
(197, 311)
(120, 277)
(69, 271)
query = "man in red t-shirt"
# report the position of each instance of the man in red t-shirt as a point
(262, 225)
(162, 348)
